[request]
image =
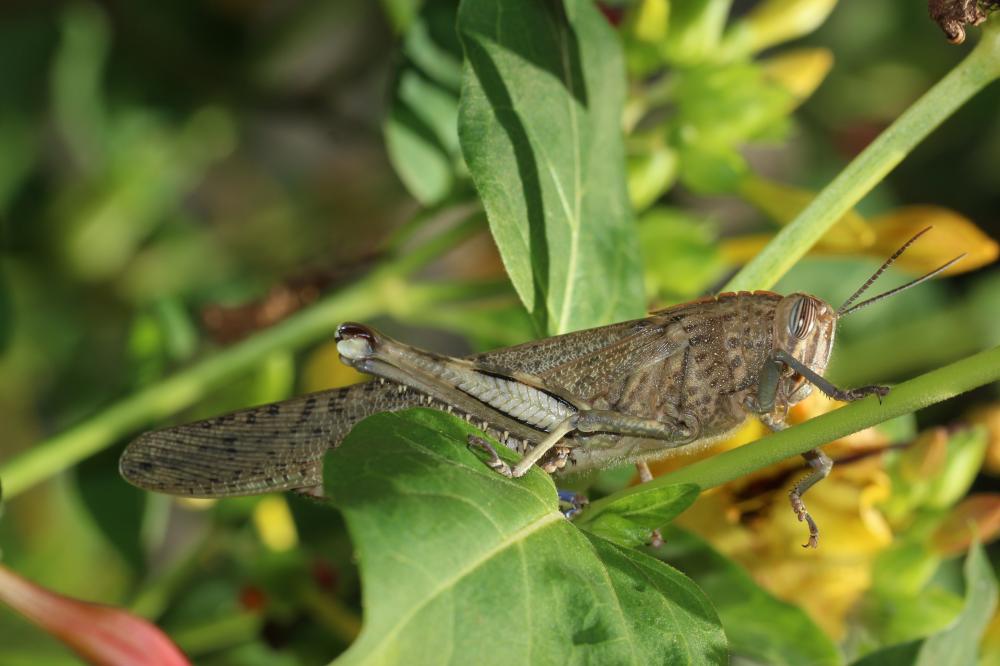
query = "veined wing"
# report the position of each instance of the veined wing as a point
(584, 363)
(261, 449)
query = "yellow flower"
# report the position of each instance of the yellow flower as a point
(878, 238)
(751, 521)
(953, 235)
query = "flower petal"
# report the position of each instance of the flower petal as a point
(953, 234)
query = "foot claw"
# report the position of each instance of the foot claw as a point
(803, 515)
(493, 462)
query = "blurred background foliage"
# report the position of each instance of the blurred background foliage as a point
(176, 176)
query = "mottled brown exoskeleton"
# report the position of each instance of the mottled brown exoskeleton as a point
(954, 15)
(677, 380)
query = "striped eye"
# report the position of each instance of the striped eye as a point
(802, 318)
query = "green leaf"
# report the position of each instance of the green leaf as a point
(758, 625)
(540, 128)
(958, 645)
(680, 252)
(695, 30)
(629, 520)
(650, 174)
(401, 13)
(421, 130)
(966, 451)
(727, 105)
(458, 561)
(904, 654)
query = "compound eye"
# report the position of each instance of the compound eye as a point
(802, 319)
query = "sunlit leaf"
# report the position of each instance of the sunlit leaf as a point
(443, 542)
(540, 128)
(102, 635)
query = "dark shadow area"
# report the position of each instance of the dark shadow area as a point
(544, 37)
(527, 168)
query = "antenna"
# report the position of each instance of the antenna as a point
(845, 309)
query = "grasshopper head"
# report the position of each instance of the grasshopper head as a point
(804, 326)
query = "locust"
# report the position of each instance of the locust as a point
(675, 381)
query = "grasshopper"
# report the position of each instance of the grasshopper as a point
(677, 380)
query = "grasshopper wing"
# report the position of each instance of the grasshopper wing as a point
(583, 364)
(262, 449)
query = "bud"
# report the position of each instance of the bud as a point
(773, 22)
(799, 71)
(100, 634)
(648, 21)
(274, 523)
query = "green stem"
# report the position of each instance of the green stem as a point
(928, 389)
(329, 612)
(221, 633)
(976, 71)
(365, 298)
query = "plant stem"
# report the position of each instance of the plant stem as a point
(932, 387)
(363, 299)
(976, 71)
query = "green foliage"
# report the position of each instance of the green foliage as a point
(139, 194)
(679, 252)
(956, 645)
(421, 131)
(457, 560)
(538, 121)
(630, 520)
(758, 625)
